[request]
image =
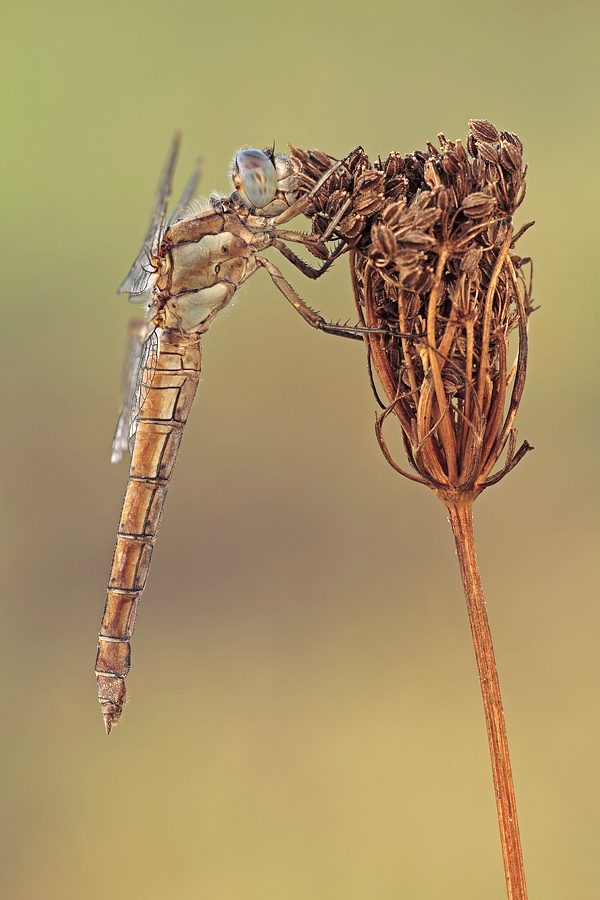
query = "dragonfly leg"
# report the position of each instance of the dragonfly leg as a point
(312, 243)
(304, 267)
(315, 245)
(355, 332)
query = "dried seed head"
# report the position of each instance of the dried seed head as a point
(431, 235)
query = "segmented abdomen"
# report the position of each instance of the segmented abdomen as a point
(172, 381)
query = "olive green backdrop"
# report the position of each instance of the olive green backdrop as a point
(304, 717)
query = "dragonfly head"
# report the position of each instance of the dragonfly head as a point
(254, 177)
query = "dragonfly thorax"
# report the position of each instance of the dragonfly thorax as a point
(204, 263)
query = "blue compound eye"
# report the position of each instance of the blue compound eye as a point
(254, 177)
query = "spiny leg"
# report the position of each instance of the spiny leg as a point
(309, 315)
(304, 267)
(312, 243)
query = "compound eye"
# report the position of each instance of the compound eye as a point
(254, 177)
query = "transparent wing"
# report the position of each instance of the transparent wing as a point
(187, 194)
(142, 354)
(139, 275)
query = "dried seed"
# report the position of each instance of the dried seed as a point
(383, 240)
(370, 180)
(420, 280)
(445, 200)
(298, 154)
(395, 187)
(488, 152)
(482, 130)
(491, 173)
(451, 162)
(510, 157)
(496, 233)
(461, 153)
(478, 205)
(334, 202)
(409, 259)
(445, 144)
(416, 239)
(471, 260)
(393, 213)
(351, 226)
(320, 159)
(369, 205)
(425, 218)
(478, 170)
(393, 165)
(431, 173)
(513, 139)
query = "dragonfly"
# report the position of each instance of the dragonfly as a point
(187, 271)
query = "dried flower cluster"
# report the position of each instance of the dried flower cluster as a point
(431, 236)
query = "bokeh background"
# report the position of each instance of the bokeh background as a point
(304, 717)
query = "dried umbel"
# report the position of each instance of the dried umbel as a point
(431, 239)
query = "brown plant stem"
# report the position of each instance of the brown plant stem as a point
(461, 522)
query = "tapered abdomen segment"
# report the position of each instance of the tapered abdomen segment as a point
(171, 382)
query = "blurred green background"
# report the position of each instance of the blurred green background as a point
(305, 720)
